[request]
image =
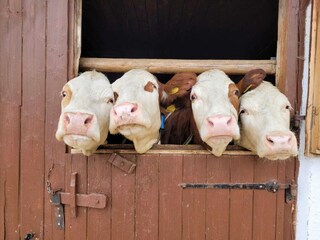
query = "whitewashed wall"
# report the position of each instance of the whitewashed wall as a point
(308, 212)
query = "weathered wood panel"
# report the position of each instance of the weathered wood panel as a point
(218, 200)
(33, 118)
(194, 200)
(170, 197)
(264, 217)
(241, 201)
(10, 98)
(147, 195)
(99, 181)
(56, 77)
(123, 203)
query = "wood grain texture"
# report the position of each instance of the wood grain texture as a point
(241, 201)
(123, 203)
(56, 77)
(99, 181)
(147, 197)
(33, 117)
(265, 216)
(194, 200)
(312, 118)
(175, 65)
(10, 100)
(218, 201)
(170, 175)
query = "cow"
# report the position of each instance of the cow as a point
(265, 123)
(85, 109)
(136, 111)
(208, 115)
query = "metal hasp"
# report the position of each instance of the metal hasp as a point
(74, 199)
(270, 186)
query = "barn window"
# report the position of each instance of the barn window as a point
(166, 37)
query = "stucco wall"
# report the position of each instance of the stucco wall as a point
(308, 212)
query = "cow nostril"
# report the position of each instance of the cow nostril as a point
(229, 121)
(211, 124)
(134, 108)
(270, 140)
(88, 120)
(66, 119)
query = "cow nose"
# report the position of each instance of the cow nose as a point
(221, 125)
(125, 109)
(219, 121)
(279, 141)
(77, 120)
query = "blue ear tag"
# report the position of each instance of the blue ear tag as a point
(163, 120)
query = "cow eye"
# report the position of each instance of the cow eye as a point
(193, 97)
(236, 92)
(242, 111)
(110, 100)
(63, 93)
(288, 107)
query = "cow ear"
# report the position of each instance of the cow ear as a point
(251, 80)
(179, 86)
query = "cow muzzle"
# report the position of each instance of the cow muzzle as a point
(279, 145)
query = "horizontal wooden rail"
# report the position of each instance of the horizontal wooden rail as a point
(176, 65)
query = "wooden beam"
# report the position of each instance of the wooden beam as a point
(176, 65)
(313, 106)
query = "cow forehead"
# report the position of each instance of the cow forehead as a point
(91, 83)
(134, 79)
(266, 96)
(213, 81)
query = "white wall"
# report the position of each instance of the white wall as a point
(308, 203)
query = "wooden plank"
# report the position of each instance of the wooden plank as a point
(167, 149)
(312, 118)
(175, 65)
(265, 203)
(194, 200)
(280, 202)
(76, 227)
(123, 203)
(287, 50)
(290, 209)
(241, 201)
(147, 195)
(9, 170)
(32, 119)
(10, 97)
(56, 77)
(99, 181)
(218, 201)
(170, 175)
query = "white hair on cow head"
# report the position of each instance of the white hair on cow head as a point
(265, 123)
(136, 113)
(214, 104)
(85, 108)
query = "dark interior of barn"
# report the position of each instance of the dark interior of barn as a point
(178, 29)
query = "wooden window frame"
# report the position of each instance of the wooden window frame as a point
(313, 106)
(284, 67)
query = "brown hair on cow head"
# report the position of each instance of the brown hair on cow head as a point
(251, 80)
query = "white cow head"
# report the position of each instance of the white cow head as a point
(136, 112)
(215, 104)
(85, 108)
(265, 123)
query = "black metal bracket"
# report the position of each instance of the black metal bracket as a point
(271, 186)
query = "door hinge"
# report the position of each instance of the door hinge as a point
(271, 186)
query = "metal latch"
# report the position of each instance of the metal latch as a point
(120, 162)
(74, 199)
(270, 186)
